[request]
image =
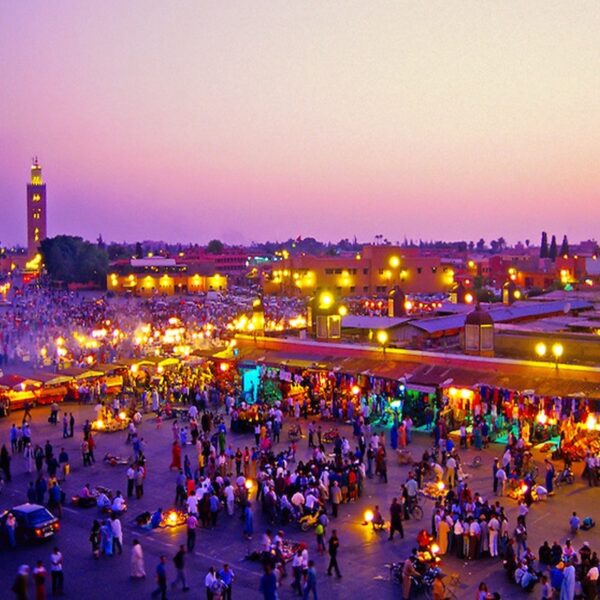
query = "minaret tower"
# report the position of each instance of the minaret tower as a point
(36, 209)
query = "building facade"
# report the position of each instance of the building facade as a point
(376, 270)
(163, 277)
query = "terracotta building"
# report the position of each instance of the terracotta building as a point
(376, 270)
(162, 276)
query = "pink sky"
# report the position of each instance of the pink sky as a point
(251, 120)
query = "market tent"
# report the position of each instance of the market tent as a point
(386, 369)
(139, 362)
(163, 361)
(16, 382)
(81, 373)
(48, 378)
(428, 378)
(107, 368)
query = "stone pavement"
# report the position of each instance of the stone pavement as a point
(362, 554)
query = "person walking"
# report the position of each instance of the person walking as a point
(56, 572)
(396, 519)
(209, 580)
(179, 562)
(336, 498)
(268, 583)
(227, 576)
(95, 538)
(310, 581)
(139, 482)
(191, 524)
(334, 544)
(117, 531)
(161, 579)
(137, 568)
(130, 481)
(21, 584)
(39, 580)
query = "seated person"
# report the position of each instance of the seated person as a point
(85, 491)
(423, 539)
(528, 580)
(156, 519)
(103, 501)
(378, 521)
(118, 504)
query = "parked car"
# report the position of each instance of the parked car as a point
(34, 522)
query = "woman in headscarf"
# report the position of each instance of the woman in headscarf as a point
(106, 536)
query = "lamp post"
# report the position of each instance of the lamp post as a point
(540, 349)
(557, 352)
(382, 338)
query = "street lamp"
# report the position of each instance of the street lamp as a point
(540, 349)
(557, 351)
(382, 338)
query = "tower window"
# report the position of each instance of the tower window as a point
(36, 198)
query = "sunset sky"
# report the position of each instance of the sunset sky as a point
(253, 120)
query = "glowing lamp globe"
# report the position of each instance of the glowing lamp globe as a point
(369, 516)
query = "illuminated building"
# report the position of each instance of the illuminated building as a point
(163, 277)
(377, 270)
(36, 210)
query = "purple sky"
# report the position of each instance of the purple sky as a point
(251, 120)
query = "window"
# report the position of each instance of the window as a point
(381, 289)
(328, 271)
(434, 269)
(381, 271)
(352, 289)
(338, 289)
(338, 271)
(366, 289)
(36, 198)
(365, 271)
(419, 270)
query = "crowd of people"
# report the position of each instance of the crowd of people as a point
(215, 477)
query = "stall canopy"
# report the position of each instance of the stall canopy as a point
(48, 378)
(140, 362)
(16, 382)
(163, 361)
(106, 368)
(81, 373)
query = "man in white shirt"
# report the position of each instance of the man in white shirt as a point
(451, 471)
(494, 528)
(411, 487)
(192, 504)
(118, 504)
(501, 477)
(209, 581)
(56, 572)
(230, 499)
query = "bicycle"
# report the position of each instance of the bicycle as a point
(415, 509)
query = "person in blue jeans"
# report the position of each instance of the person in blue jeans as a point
(310, 581)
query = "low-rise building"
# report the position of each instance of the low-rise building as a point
(162, 276)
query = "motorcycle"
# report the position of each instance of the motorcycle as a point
(310, 520)
(565, 477)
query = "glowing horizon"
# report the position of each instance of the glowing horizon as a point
(254, 121)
